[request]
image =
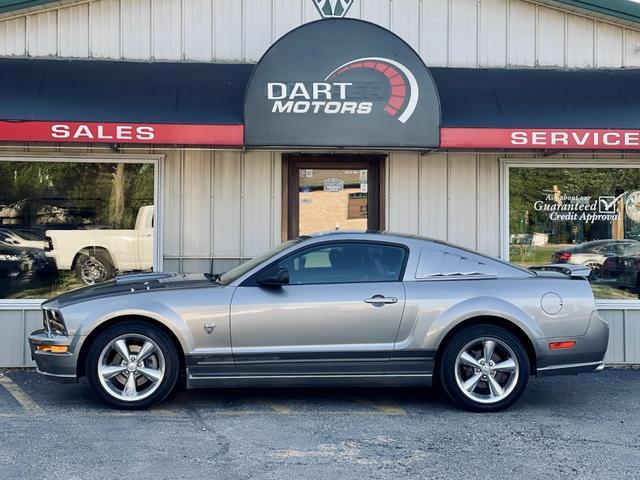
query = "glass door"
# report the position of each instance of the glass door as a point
(333, 195)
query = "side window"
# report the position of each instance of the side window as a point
(345, 263)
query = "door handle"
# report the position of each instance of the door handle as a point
(380, 300)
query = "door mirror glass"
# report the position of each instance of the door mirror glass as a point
(276, 277)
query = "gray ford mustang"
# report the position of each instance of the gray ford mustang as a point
(331, 309)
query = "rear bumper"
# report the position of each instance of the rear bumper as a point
(56, 366)
(586, 356)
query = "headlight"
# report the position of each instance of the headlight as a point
(9, 258)
(52, 322)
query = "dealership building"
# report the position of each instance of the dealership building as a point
(191, 135)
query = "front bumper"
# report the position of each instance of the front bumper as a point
(57, 366)
(586, 356)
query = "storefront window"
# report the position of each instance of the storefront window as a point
(64, 225)
(580, 216)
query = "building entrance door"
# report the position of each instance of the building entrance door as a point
(333, 194)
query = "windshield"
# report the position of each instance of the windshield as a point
(235, 273)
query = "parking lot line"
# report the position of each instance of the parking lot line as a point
(386, 406)
(278, 408)
(27, 403)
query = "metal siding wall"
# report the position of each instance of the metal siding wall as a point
(13, 37)
(135, 29)
(492, 48)
(73, 37)
(461, 33)
(196, 203)
(453, 197)
(227, 191)
(197, 21)
(105, 29)
(166, 29)
(522, 33)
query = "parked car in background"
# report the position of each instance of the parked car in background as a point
(19, 265)
(23, 238)
(97, 255)
(624, 270)
(591, 254)
(334, 309)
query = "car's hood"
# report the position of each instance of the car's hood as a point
(133, 283)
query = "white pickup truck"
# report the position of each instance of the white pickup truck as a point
(98, 255)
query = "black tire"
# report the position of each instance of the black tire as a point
(446, 368)
(101, 262)
(133, 328)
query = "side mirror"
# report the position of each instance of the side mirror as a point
(274, 278)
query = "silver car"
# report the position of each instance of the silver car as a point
(331, 309)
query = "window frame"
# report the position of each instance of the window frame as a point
(157, 160)
(508, 163)
(251, 281)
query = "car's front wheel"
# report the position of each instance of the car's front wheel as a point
(484, 368)
(132, 365)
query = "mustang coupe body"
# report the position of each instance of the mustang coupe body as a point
(329, 309)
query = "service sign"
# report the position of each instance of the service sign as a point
(341, 83)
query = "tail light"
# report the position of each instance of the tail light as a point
(563, 256)
(562, 345)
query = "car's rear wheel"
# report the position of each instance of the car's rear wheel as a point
(484, 368)
(94, 266)
(132, 365)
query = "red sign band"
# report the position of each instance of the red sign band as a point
(540, 138)
(92, 132)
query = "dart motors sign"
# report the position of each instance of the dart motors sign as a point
(341, 83)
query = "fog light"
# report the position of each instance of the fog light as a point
(53, 348)
(560, 345)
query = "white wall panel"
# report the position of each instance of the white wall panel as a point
(196, 203)
(105, 28)
(434, 36)
(376, 11)
(463, 33)
(462, 200)
(74, 31)
(227, 191)
(172, 203)
(257, 28)
(615, 348)
(632, 336)
(403, 192)
(13, 37)
(551, 37)
(257, 203)
(580, 42)
(287, 15)
(488, 204)
(228, 30)
(198, 29)
(631, 48)
(609, 45)
(405, 21)
(136, 29)
(492, 36)
(42, 37)
(167, 27)
(522, 33)
(433, 203)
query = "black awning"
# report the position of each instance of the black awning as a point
(107, 91)
(538, 98)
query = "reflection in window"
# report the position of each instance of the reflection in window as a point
(68, 224)
(345, 263)
(581, 216)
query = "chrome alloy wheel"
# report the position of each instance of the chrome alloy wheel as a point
(487, 370)
(131, 367)
(93, 271)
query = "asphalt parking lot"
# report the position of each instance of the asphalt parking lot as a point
(564, 427)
